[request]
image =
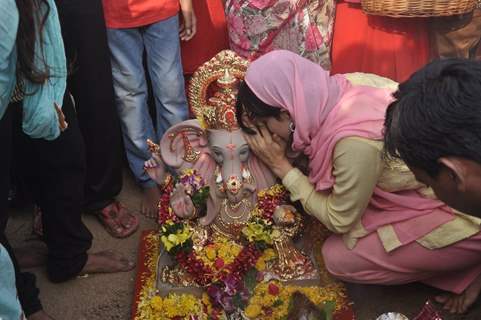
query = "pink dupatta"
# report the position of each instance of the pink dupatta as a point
(326, 109)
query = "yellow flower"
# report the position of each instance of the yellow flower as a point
(269, 254)
(253, 310)
(205, 299)
(210, 253)
(156, 304)
(167, 244)
(173, 238)
(261, 264)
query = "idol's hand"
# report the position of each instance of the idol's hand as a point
(271, 149)
(188, 28)
(181, 203)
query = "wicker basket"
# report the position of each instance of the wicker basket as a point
(418, 8)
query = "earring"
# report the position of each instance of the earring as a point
(292, 127)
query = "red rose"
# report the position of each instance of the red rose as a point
(273, 289)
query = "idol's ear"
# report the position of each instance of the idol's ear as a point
(185, 146)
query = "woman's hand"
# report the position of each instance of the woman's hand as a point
(271, 149)
(63, 125)
(188, 28)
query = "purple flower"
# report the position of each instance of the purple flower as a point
(215, 293)
(231, 285)
(227, 304)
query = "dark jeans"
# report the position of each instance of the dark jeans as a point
(54, 172)
(85, 39)
(27, 291)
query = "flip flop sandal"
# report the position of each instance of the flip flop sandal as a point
(110, 217)
(133, 220)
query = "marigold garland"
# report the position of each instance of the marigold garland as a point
(271, 299)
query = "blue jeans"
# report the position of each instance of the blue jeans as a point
(162, 47)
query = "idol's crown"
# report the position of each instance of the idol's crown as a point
(213, 91)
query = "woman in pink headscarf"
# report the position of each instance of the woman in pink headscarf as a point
(389, 229)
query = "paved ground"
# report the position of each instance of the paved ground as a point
(105, 297)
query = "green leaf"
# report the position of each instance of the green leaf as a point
(291, 305)
(237, 301)
(277, 303)
(200, 197)
(261, 245)
(328, 309)
(250, 280)
(186, 247)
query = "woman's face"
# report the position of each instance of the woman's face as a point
(278, 126)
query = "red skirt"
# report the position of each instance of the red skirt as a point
(389, 47)
(211, 37)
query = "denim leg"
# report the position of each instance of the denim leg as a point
(165, 69)
(127, 47)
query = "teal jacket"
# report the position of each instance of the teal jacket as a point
(8, 52)
(40, 119)
(9, 305)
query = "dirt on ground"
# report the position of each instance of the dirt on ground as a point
(109, 296)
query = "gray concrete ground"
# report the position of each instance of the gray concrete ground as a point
(105, 297)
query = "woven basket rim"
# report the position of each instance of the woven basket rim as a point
(418, 8)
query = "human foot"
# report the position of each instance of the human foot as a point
(150, 202)
(117, 220)
(460, 303)
(107, 262)
(40, 315)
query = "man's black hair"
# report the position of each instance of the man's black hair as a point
(437, 113)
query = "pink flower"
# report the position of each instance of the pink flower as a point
(219, 263)
(313, 38)
(261, 4)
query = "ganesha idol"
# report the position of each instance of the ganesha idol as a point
(221, 213)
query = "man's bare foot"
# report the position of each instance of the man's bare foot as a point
(40, 315)
(460, 303)
(150, 201)
(107, 262)
(32, 256)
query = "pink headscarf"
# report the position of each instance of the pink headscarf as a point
(326, 109)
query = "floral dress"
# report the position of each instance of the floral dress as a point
(302, 26)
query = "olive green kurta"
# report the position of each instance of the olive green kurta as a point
(358, 167)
